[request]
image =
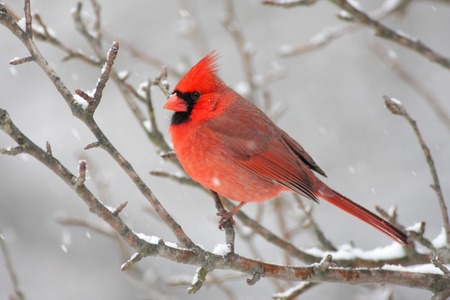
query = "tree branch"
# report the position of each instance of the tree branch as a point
(395, 36)
(396, 108)
(19, 295)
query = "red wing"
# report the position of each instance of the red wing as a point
(278, 164)
(271, 159)
(251, 139)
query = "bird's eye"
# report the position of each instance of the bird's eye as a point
(195, 95)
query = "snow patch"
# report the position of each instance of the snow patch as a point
(195, 279)
(425, 268)
(171, 244)
(348, 252)
(22, 24)
(222, 249)
(80, 101)
(395, 100)
(148, 238)
(416, 227)
(440, 241)
(123, 74)
(147, 125)
(142, 87)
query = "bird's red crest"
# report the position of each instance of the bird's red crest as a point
(201, 77)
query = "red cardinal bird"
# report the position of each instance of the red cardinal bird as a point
(231, 147)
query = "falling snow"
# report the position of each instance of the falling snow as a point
(13, 70)
(216, 181)
(75, 134)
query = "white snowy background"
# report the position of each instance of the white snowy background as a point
(334, 107)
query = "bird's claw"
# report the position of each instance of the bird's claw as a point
(224, 217)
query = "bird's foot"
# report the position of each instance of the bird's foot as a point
(224, 217)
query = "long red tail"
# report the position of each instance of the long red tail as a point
(361, 213)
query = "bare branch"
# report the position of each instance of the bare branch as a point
(86, 115)
(397, 108)
(232, 25)
(19, 295)
(199, 279)
(144, 246)
(396, 36)
(328, 35)
(294, 292)
(143, 56)
(179, 179)
(228, 225)
(170, 154)
(289, 3)
(112, 54)
(388, 57)
(48, 148)
(81, 173)
(19, 61)
(133, 260)
(11, 151)
(324, 241)
(438, 264)
(120, 208)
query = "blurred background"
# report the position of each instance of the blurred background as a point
(330, 100)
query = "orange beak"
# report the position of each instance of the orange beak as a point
(176, 104)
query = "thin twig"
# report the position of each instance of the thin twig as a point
(438, 264)
(180, 179)
(23, 60)
(288, 4)
(396, 108)
(201, 257)
(143, 56)
(389, 59)
(106, 70)
(232, 25)
(195, 31)
(19, 295)
(11, 151)
(228, 225)
(199, 279)
(294, 292)
(324, 241)
(86, 115)
(329, 35)
(395, 36)
(308, 258)
(279, 211)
